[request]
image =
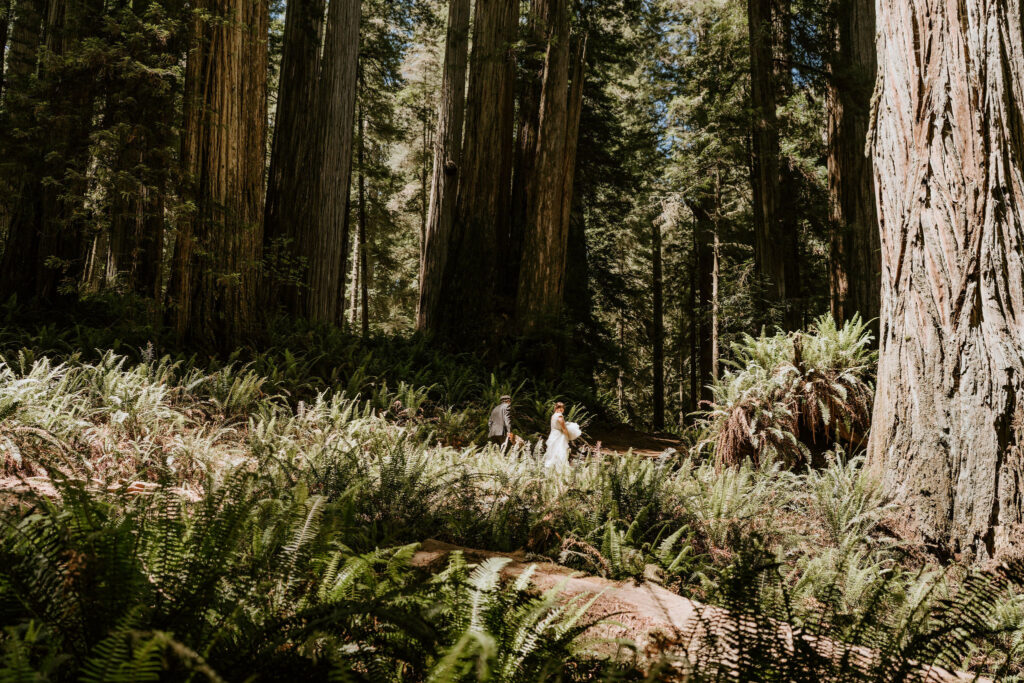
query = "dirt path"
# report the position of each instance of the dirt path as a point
(623, 438)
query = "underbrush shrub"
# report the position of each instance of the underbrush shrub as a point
(793, 397)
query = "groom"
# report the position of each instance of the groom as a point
(499, 427)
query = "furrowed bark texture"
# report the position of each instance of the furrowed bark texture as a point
(295, 153)
(855, 264)
(447, 165)
(542, 271)
(323, 241)
(948, 146)
(529, 85)
(470, 284)
(774, 242)
(213, 286)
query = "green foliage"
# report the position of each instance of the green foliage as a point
(792, 395)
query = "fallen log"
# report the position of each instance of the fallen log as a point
(652, 617)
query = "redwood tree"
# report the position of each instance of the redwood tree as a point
(447, 164)
(775, 242)
(542, 272)
(469, 289)
(948, 147)
(854, 267)
(213, 282)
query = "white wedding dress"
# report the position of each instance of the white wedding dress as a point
(557, 453)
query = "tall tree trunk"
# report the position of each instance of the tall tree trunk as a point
(948, 147)
(532, 69)
(658, 327)
(542, 273)
(323, 241)
(218, 245)
(364, 284)
(294, 155)
(703, 210)
(771, 244)
(47, 247)
(855, 263)
(447, 163)
(20, 187)
(5, 26)
(470, 283)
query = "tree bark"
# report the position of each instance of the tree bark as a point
(470, 283)
(364, 284)
(323, 240)
(855, 263)
(532, 68)
(772, 246)
(542, 273)
(948, 149)
(447, 164)
(703, 210)
(21, 191)
(5, 26)
(213, 286)
(294, 155)
(658, 327)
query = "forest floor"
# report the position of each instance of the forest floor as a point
(624, 438)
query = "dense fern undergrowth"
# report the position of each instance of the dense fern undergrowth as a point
(171, 519)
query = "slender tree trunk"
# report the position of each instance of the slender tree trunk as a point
(542, 273)
(703, 210)
(353, 306)
(695, 265)
(619, 384)
(215, 263)
(714, 307)
(772, 246)
(294, 154)
(948, 148)
(470, 283)
(364, 283)
(447, 163)
(658, 331)
(855, 264)
(5, 25)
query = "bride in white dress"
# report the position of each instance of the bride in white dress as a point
(562, 432)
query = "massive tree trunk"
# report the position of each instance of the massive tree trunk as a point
(294, 154)
(323, 240)
(447, 166)
(542, 271)
(213, 285)
(470, 290)
(855, 265)
(948, 146)
(20, 186)
(311, 163)
(531, 79)
(772, 246)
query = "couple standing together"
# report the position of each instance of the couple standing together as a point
(499, 431)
